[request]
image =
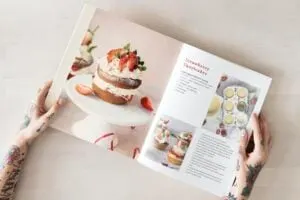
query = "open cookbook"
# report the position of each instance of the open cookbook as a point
(172, 107)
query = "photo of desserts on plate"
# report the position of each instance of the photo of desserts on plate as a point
(118, 75)
(171, 140)
(231, 107)
(83, 62)
(162, 135)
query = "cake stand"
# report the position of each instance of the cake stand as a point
(103, 117)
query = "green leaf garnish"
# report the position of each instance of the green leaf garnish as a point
(91, 48)
(127, 47)
(142, 68)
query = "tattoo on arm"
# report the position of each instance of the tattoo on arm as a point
(26, 122)
(238, 166)
(10, 171)
(231, 197)
(41, 128)
(252, 174)
(262, 142)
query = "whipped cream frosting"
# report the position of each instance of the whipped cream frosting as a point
(111, 88)
(185, 135)
(113, 69)
(179, 151)
(85, 70)
(162, 136)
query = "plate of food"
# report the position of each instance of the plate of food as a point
(111, 92)
(130, 114)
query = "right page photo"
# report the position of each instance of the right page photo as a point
(196, 131)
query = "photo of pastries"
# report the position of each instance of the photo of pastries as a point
(171, 140)
(83, 62)
(118, 75)
(231, 107)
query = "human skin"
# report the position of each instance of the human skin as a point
(38, 119)
(35, 122)
(250, 165)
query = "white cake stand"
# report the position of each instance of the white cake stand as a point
(131, 114)
(102, 115)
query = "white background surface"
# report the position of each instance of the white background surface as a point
(262, 35)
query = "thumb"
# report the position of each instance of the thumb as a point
(50, 113)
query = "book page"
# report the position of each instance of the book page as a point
(196, 131)
(114, 73)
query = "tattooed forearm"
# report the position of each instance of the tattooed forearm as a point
(252, 174)
(10, 170)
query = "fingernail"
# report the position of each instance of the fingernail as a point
(61, 101)
(244, 134)
(63, 96)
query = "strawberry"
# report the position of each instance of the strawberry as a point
(223, 132)
(75, 68)
(113, 53)
(84, 90)
(122, 63)
(146, 103)
(110, 57)
(224, 78)
(132, 62)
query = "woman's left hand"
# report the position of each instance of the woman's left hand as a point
(250, 165)
(38, 118)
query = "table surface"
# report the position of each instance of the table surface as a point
(261, 35)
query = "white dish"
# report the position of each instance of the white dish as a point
(131, 114)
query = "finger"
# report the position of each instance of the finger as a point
(242, 150)
(270, 143)
(42, 97)
(265, 129)
(256, 132)
(51, 112)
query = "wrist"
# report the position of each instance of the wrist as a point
(235, 196)
(236, 191)
(23, 138)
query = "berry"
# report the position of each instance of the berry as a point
(224, 132)
(75, 68)
(113, 53)
(122, 63)
(224, 78)
(84, 90)
(146, 103)
(253, 101)
(132, 62)
(221, 125)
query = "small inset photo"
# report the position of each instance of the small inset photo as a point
(170, 141)
(231, 107)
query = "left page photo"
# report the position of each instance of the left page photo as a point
(114, 73)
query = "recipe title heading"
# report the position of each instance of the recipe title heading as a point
(196, 66)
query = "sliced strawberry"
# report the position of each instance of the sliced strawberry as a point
(132, 62)
(75, 67)
(84, 90)
(113, 53)
(146, 103)
(122, 63)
